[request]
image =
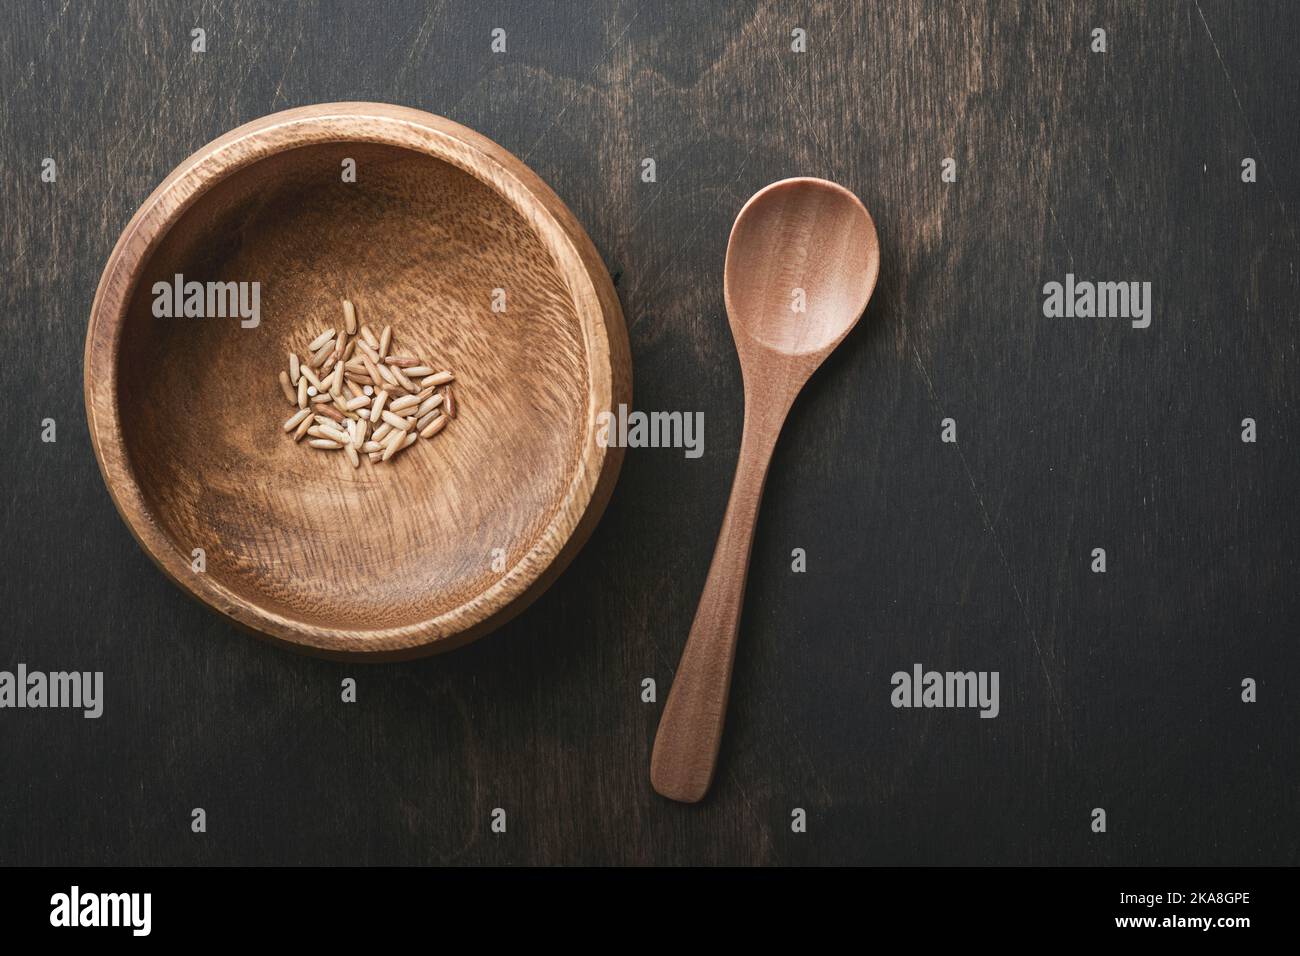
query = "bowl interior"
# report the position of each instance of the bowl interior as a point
(418, 244)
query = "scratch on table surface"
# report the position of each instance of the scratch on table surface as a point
(802, 113)
(31, 72)
(798, 105)
(686, 157)
(1272, 184)
(685, 245)
(744, 796)
(803, 752)
(423, 31)
(1061, 232)
(599, 63)
(997, 544)
(1223, 66)
(140, 131)
(1062, 563)
(284, 74)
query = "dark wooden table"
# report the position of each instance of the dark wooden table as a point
(1119, 690)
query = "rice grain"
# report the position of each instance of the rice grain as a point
(435, 426)
(397, 421)
(296, 418)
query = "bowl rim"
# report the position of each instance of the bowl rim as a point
(595, 304)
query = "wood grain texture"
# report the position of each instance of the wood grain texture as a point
(184, 414)
(802, 262)
(1118, 690)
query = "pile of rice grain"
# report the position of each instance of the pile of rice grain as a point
(355, 395)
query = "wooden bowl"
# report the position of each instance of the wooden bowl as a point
(455, 535)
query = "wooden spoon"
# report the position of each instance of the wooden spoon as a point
(801, 265)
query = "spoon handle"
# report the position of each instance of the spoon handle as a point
(690, 731)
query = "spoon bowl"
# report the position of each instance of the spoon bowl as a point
(801, 265)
